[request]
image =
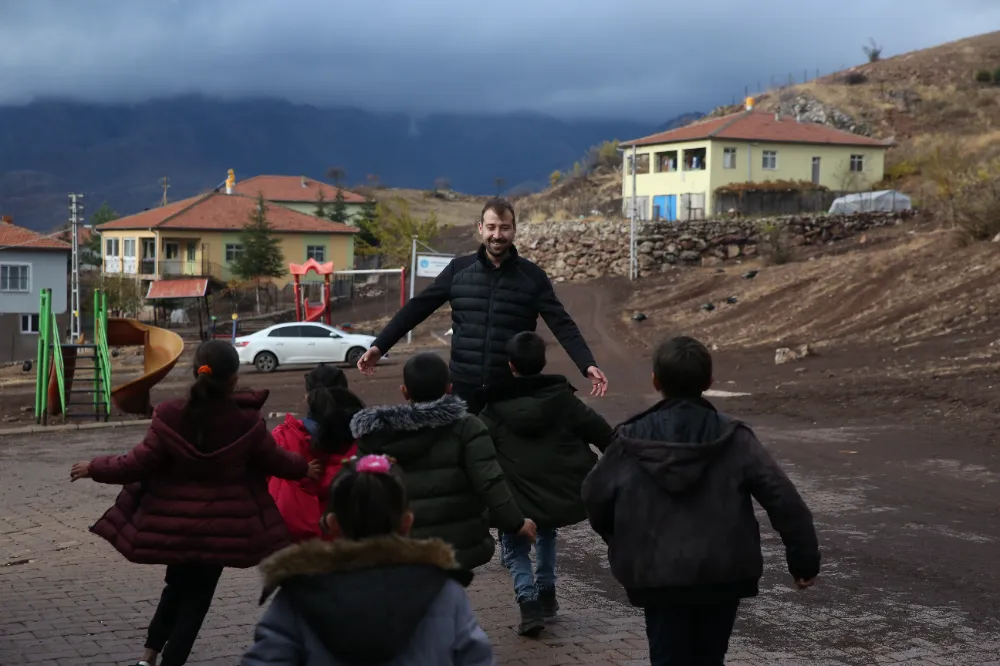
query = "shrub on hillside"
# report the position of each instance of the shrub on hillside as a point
(996, 76)
(872, 51)
(967, 197)
(773, 244)
(855, 78)
(984, 76)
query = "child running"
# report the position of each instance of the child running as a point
(672, 498)
(449, 464)
(542, 433)
(374, 595)
(195, 496)
(325, 434)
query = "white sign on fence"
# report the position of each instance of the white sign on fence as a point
(430, 265)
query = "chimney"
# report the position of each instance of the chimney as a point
(230, 181)
(749, 103)
(777, 117)
(7, 219)
(304, 185)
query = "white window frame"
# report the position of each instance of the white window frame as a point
(28, 318)
(773, 154)
(728, 158)
(115, 246)
(8, 266)
(234, 249)
(860, 161)
(311, 253)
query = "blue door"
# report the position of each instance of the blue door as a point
(669, 207)
(659, 207)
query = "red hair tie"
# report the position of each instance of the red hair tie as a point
(205, 370)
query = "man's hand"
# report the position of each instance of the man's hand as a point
(803, 583)
(598, 380)
(366, 364)
(528, 529)
(81, 470)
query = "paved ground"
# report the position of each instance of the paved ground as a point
(906, 510)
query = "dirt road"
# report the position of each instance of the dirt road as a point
(903, 481)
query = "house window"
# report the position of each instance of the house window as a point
(641, 161)
(857, 163)
(316, 252)
(666, 162)
(29, 323)
(111, 248)
(15, 277)
(770, 159)
(233, 251)
(694, 159)
(729, 158)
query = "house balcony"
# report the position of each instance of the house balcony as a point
(165, 269)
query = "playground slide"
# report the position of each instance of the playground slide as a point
(161, 349)
(314, 312)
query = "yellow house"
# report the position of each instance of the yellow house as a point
(677, 172)
(200, 237)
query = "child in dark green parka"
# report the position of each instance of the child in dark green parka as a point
(542, 434)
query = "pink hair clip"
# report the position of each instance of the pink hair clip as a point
(374, 464)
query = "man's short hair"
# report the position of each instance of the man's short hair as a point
(526, 352)
(426, 377)
(501, 207)
(683, 367)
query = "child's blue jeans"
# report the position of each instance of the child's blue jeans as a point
(515, 555)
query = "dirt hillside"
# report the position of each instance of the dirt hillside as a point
(895, 287)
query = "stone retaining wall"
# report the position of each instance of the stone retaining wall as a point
(582, 250)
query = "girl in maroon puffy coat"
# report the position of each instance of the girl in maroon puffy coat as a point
(324, 434)
(195, 496)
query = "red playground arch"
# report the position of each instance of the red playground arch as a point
(303, 311)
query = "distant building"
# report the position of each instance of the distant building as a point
(200, 236)
(679, 170)
(299, 193)
(29, 262)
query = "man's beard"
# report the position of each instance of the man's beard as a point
(497, 250)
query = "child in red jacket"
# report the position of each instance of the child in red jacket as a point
(325, 434)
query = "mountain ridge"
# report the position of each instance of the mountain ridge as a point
(119, 152)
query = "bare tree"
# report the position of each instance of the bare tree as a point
(336, 174)
(499, 182)
(872, 51)
(442, 183)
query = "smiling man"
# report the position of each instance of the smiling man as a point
(495, 294)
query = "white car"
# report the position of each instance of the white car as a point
(306, 343)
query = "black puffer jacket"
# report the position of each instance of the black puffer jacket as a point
(672, 499)
(489, 306)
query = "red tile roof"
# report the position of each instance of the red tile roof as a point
(190, 288)
(13, 237)
(758, 126)
(83, 233)
(292, 189)
(224, 212)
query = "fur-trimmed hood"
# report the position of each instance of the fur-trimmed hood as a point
(408, 417)
(344, 590)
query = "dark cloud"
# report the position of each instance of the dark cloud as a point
(643, 59)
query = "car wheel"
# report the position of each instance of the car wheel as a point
(354, 355)
(265, 362)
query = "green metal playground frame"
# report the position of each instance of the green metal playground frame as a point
(50, 354)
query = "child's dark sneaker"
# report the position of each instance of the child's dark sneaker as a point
(547, 601)
(531, 619)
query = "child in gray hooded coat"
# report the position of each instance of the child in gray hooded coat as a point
(339, 602)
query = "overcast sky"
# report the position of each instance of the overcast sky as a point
(641, 59)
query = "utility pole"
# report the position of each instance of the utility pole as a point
(632, 272)
(165, 182)
(413, 279)
(76, 209)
